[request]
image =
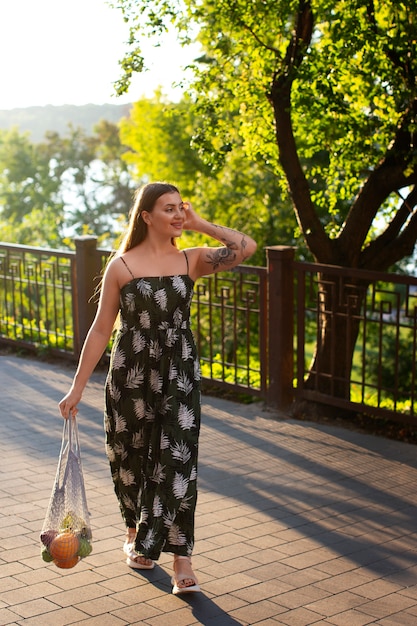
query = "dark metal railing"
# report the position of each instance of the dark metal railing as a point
(229, 321)
(48, 302)
(37, 297)
(258, 329)
(376, 313)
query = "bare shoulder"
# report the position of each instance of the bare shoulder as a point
(114, 272)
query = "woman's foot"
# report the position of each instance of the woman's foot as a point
(184, 579)
(134, 559)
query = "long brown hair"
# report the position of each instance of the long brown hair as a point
(144, 200)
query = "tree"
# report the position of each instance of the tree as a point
(76, 184)
(96, 184)
(31, 208)
(241, 192)
(325, 92)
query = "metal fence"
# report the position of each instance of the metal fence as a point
(375, 313)
(258, 329)
(48, 303)
(37, 304)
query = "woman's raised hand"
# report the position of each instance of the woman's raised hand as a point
(191, 219)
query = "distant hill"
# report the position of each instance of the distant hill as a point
(38, 120)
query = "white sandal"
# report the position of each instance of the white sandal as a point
(132, 555)
(181, 577)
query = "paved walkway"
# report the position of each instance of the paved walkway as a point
(298, 523)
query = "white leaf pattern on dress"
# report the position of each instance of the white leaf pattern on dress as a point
(186, 417)
(119, 358)
(161, 298)
(145, 319)
(138, 342)
(173, 373)
(155, 350)
(120, 451)
(127, 477)
(185, 504)
(144, 515)
(181, 452)
(184, 383)
(156, 381)
(137, 440)
(110, 453)
(165, 405)
(187, 350)
(134, 377)
(144, 288)
(120, 423)
(150, 414)
(171, 337)
(128, 502)
(149, 540)
(114, 392)
(130, 301)
(164, 445)
(177, 318)
(179, 285)
(169, 519)
(158, 475)
(176, 537)
(193, 474)
(157, 507)
(139, 407)
(179, 486)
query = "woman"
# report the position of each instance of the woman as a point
(152, 414)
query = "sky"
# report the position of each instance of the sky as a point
(59, 52)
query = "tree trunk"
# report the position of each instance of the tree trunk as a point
(339, 317)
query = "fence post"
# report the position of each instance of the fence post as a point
(87, 268)
(280, 266)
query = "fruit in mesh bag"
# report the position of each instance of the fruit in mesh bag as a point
(46, 555)
(64, 549)
(47, 536)
(85, 547)
(72, 521)
(66, 564)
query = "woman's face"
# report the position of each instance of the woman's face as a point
(167, 217)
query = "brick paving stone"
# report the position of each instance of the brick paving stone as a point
(299, 617)
(8, 618)
(297, 523)
(35, 607)
(351, 618)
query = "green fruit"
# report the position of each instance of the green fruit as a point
(85, 548)
(46, 555)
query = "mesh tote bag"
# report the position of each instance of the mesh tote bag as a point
(66, 532)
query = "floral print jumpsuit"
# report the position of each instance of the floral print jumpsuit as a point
(152, 415)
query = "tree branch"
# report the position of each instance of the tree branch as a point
(396, 241)
(280, 98)
(386, 178)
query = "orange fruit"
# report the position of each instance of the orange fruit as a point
(67, 563)
(64, 547)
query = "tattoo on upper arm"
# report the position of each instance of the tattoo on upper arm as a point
(226, 256)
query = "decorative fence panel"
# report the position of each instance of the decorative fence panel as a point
(37, 306)
(374, 312)
(258, 329)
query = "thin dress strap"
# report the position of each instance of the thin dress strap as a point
(126, 266)
(186, 258)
